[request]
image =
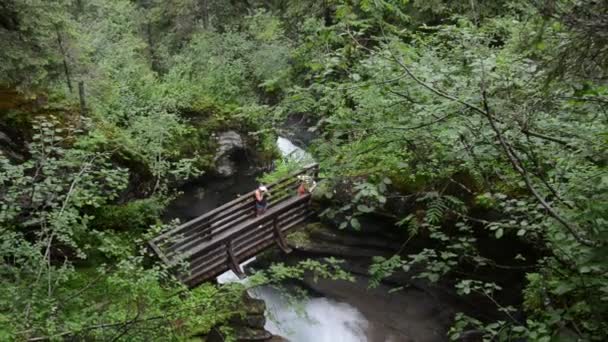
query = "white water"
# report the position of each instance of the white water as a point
(290, 151)
(314, 319)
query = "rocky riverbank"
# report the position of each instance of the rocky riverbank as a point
(399, 309)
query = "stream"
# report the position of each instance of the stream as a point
(340, 311)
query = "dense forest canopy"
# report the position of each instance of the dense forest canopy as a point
(464, 121)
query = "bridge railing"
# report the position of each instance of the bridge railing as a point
(229, 234)
(227, 250)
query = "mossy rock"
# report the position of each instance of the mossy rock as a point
(249, 334)
(256, 321)
(302, 237)
(254, 306)
(298, 238)
(240, 334)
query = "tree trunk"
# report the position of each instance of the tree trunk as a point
(153, 61)
(205, 13)
(327, 13)
(66, 69)
(83, 104)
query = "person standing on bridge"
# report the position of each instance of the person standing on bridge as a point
(307, 185)
(261, 200)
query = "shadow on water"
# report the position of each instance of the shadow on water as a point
(210, 191)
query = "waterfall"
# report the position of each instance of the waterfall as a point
(316, 319)
(290, 151)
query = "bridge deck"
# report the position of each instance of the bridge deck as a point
(219, 240)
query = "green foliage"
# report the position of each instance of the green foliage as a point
(484, 119)
(220, 65)
(29, 37)
(133, 215)
(282, 169)
(328, 268)
(469, 114)
(44, 295)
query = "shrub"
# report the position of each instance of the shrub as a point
(138, 214)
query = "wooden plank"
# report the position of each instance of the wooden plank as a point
(248, 238)
(158, 252)
(203, 254)
(267, 241)
(233, 262)
(226, 235)
(209, 263)
(186, 244)
(280, 239)
(240, 233)
(240, 241)
(220, 266)
(248, 235)
(202, 223)
(225, 206)
(202, 218)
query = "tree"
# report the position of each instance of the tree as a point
(30, 32)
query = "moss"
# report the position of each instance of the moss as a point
(299, 238)
(315, 227)
(12, 99)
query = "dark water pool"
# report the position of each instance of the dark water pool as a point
(210, 191)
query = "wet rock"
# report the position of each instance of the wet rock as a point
(301, 128)
(251, 321)
(276, 338)
(361, 240)
(4, 139)
(240, 334)
(405, 315)
(246, 327)
(318, 239)
(228, 143)
(255, 306)
(9, 148)
(330, 249)
(250, 334)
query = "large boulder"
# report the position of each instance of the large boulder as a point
(228, 143)
(248, 327)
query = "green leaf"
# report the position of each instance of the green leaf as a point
(563, 288)
(364, 209)
(499, 233)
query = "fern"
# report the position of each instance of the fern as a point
(436, 210)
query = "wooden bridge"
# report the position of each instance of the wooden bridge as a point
(222, 238)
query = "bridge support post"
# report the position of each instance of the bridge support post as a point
(279, 237)
(233, 263)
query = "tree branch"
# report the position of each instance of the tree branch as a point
(544, 137)
(402, 128)
(518, 166)
(511, 155)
